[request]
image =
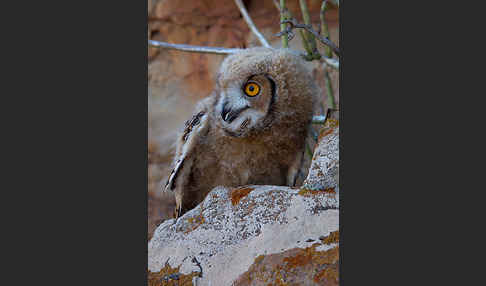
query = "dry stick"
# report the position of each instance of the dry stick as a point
(328, 60)
(250, 23)
(305, 43)
(275, 2)
(324, 29)
(325, 33)
(330, 92)
(308, 49)
(217, 50)
(310, 38)
(293, 24)
(283, 26)
(191, 48)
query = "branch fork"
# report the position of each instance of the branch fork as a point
(293, 24)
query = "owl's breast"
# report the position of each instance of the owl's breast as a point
(236, 163)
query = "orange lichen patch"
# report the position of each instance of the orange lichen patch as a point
(169, 276)
(299, 259)
(324, 133)
(294, 267)
(195, 222)
(259, 259)
(238, 194)
(308, 192)
(331, 123)
(332, 238)
(330, 274)
(328, 128)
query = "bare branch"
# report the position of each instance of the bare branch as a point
(250, 23)
(293, 24)
(306, 45)
(221, 51)
(331, 62)
(324, 29)
(309, 37)
(275, 2)
(330, 92)
(286, 14)
(191, 48)
(328, 53)
(283, 26)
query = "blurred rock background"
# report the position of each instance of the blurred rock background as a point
(177, 80)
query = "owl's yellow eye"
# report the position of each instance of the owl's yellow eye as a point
(252, 89)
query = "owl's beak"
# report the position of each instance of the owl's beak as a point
(225, 112)
(228, 114)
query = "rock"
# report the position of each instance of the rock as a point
(256, 235)
(324, 169)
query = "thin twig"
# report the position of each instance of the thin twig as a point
(293, 24)
(309, 37)
(305, 43)
(191, 48)
(283, 26)
(330, 92)
(220, 50)
(275, 2)
(250, 23)
(328, 60)
(307, 48)
(328, 53)
(324, 29)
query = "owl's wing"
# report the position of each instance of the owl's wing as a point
(195, 128)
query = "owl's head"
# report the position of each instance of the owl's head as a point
(258, 86)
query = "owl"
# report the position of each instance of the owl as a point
(251, 130)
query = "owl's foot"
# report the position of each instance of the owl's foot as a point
(177, 211)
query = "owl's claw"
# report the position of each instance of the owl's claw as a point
(177, 211)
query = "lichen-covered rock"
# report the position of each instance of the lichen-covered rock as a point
(232, 227)
(257, 235)
(324, 169)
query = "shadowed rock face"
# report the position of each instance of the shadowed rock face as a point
(177, 80)
(258, 235)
